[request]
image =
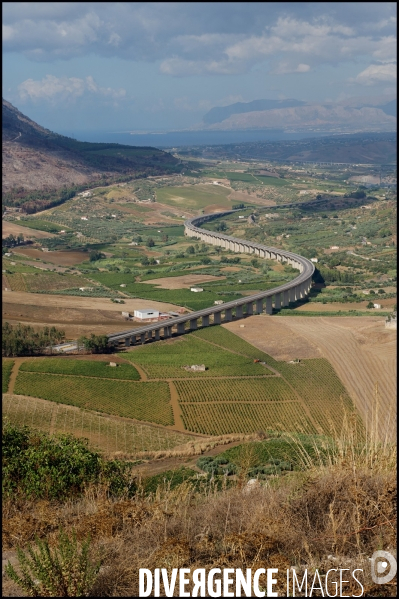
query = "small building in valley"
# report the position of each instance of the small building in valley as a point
(196, 289)
(149, 314)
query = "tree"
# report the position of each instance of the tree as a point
(165, 238)
(370, 305)
(190, 250)
(150, 242)
(96, 255)
(255, 262)
(145, 261)
(95, 343)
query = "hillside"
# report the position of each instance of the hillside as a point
(35, 158)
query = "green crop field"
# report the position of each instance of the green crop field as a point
(40, 225)
(6, 373)
(224, 338)
(161, 361)
(194, 197)
(245, 417)
(142, 401)
(103, 432)
(234, 390)
(81, 368)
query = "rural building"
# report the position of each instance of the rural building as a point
(85, 288)
(174, 314)
(45, 250)
(196, 289)
(315, 260)
(218, 302)
(334, 247)
(377, 306)
(126, 314)
(8, 254)
(122, 285)
(146, 314)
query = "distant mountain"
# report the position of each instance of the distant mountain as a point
(35, 158)
(221, 113)
(353, 115)
(390, 108)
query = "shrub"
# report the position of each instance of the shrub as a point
(66, 571)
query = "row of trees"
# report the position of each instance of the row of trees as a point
(11, 241)
(23, 340)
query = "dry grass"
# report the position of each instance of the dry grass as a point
(331, 515)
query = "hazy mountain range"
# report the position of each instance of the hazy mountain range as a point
(352, 115)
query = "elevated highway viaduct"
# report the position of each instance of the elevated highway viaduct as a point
(264, 301)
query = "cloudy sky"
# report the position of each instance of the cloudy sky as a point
(84, 66)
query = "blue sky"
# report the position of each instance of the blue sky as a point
(126, 66)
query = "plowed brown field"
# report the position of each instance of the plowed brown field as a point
(361, 350)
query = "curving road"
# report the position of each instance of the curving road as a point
(253, 304)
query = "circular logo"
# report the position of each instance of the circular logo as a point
(383, 567)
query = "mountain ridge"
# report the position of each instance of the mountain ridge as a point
(36, 158)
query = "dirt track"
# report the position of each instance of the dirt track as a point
(361, 350)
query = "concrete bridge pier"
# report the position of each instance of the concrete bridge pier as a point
(292, 293)
(227, 315)
(217, 318)
(193, 324)
(286, 299)
(259, 306)
(157, 335)
(238, 311)
(250, 309)
(277, 301)
(142, 338)
(205, 321)
(181, 328)
(166, 332)
(269, 306)
(127, 341)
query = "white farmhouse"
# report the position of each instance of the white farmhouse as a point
(146, 314)
(196, 289)
(377, 306)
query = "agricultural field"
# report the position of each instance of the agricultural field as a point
(141, 401)
(108, 434)
(85, 368)
(7, 366)
(195, 197)
(222, 418)
(161, 363)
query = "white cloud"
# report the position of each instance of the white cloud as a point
(376, 74)
(53, 88)
(283, 68)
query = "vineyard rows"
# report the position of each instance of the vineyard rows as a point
(159, 363)
(259, 390)
(105, 433)
(243, 417)
(81, 368)
(17, 282)
(224, 338)
(6, 373)
(142, 401)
